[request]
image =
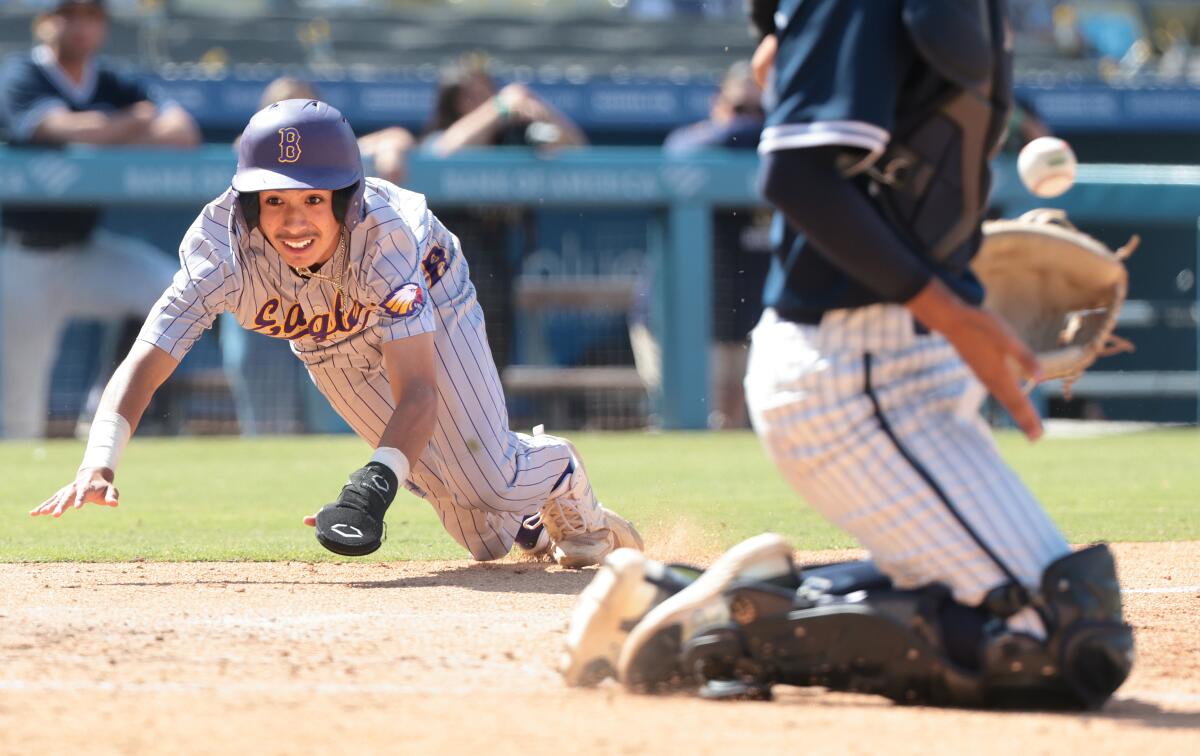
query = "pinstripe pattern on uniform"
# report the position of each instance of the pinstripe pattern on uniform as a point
(806, 390)
(479, 476)
(207, 284)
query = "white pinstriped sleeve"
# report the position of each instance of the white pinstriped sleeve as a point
(202, 289)
(396, 282)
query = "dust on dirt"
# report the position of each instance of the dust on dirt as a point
(454, 657)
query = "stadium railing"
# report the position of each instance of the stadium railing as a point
(685, 191)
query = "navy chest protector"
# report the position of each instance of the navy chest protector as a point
(934, 178)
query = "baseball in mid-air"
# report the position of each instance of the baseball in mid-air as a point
(1047, 166)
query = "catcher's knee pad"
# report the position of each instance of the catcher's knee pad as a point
(1088, 650)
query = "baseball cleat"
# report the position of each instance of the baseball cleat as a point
(650, 657)
(582, 530)
(626, 586)
(532, 538)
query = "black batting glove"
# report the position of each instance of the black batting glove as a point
(353, 525)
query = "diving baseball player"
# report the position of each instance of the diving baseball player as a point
(865, 378)
(374, 295)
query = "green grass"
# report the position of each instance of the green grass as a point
(225, 498)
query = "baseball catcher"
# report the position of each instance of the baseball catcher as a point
(865, 378)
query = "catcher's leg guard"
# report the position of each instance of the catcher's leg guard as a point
(922, 647)
(886, 641)
(755, 579)
(1088, 651)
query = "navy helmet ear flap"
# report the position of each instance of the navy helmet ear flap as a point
(343, 199)
(248, 201)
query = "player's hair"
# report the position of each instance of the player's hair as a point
(339, 203)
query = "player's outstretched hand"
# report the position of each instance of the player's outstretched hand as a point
(91, 486)
(989, 347)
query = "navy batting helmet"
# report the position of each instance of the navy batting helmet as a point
(300, 144)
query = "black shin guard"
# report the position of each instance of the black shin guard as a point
(1088, 651)
(887, 643)
(921, 646)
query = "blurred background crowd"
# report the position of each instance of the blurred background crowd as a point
(430, 79)
(1115, 39)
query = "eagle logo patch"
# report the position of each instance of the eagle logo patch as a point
(404, 302)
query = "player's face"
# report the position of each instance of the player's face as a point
(79, 31)
(299, 224)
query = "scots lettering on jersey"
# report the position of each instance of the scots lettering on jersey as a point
(435, 265)
(404, 302)
(289, 144)
(293, 323)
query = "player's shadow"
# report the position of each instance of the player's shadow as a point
(489, 577)
(1131, 709)
(1147, 713)
(518, 577)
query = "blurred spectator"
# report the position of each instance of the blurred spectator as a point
(470, 112)
(1024, 125)
(1176, 49)
(1111, 28)
(55, 263)
(1067, 36)
(741, 246)
(1033, 20)
(735, 119)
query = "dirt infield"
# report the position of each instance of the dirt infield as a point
(453, 657)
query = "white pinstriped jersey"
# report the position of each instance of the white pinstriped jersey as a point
(405, 276)
(227, 268)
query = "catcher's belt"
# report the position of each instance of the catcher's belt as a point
(1059, 289)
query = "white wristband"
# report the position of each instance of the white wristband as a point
(393, 459)
(107, 439)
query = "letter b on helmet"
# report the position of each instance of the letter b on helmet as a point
(289, 144)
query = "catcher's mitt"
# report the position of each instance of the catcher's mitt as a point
(1058, 288)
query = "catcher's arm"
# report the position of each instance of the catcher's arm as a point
(987, 345)
(125, 399)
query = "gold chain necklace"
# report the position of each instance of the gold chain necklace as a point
(337, 280)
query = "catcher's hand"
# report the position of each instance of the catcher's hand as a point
(1059, 289)
(988, 347)
(91, 486)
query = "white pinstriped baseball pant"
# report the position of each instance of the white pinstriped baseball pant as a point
(480, 477)
(878, 428)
